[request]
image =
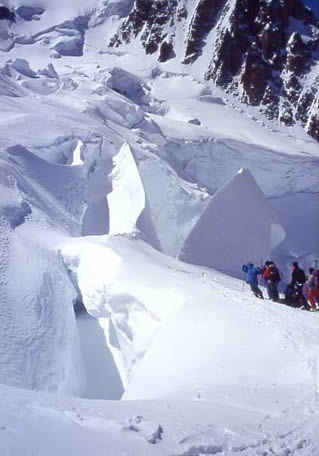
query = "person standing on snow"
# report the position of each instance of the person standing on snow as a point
(251, 277)
(272, 278)
(298, 279)
(313, 287)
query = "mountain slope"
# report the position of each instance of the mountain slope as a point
(265, 53)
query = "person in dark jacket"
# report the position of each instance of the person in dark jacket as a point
(294, 292)
(251, 277)
(298, 275)
(272, 278)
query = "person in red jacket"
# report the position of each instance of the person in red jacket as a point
(313, 287)
(272, 278)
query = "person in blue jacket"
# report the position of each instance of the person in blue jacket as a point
(251, 277)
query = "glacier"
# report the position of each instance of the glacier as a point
(125, 327)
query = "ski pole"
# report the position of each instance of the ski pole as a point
(243, 287)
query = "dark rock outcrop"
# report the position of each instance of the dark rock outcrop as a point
(263, 51)
(204, 19)
(148, 18)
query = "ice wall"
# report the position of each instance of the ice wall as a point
(128, 207)
(39, 347)
(237, 226)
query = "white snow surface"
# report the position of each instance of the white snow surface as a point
(110, 165)
(226, 371)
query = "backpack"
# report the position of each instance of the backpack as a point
(299, 275)
(274, 274)
(316, 278)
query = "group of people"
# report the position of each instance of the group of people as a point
(300, 290)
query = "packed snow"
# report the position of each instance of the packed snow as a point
(112, 166)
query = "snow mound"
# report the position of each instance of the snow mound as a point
(237, 226)
(57, 191)
(9, 88)
(128, 85)
(110, 274)
(228, 348)
(66, 41)
(116, 108)
(13, 209)
(44, 81)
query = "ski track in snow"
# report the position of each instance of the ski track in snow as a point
(92, 142)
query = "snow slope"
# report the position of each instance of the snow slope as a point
(67, 426)
(227, 371)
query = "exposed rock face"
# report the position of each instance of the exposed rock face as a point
(150, 18)
(263, 51)
(204, 18)
(268, 48)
